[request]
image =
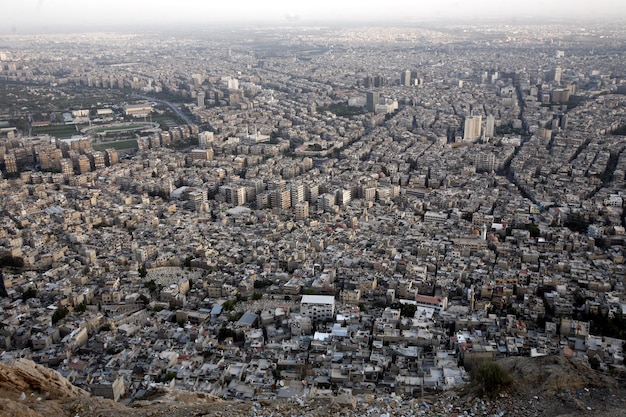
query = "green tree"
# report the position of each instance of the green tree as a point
(491, 378)
(168, 376)
(29, 293)
(151, 285)
(533, 228)
(224, 333)
(59, 314)
(406, 310)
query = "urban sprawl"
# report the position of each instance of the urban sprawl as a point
(269, 213)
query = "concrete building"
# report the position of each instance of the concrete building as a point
(490, 123)
(138, 110)
(372, 99)
(485, 162)
(318, 307)
(472, 128)
(405, 78)
(302, 210)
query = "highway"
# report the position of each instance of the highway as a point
(172, 106)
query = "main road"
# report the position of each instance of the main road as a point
(172, 106)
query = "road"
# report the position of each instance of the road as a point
(172, 106)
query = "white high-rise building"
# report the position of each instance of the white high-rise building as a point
(472, 127)
(233, 84)
(297, 193)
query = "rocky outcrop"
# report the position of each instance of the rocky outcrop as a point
(549, 386)
(24, 375)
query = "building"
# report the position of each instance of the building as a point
(109, 389)
(405, 78)
(297, 193)
(111, 156)
(326, 202)
(560, 95)
(67, 168)
(555, 75)
(200, 98)
(368, 81)
(343, 197)
(302, 210)
(318, 307)
(436, 302)
(84, 165)
(10, 163)
(372, 99)
(485, 162)
(201, 154)
(138, 110)
(280, 199)
(233, 84)
(98, 160)
(205, 138)
(490, 126)
(472, 127)
(435, 217)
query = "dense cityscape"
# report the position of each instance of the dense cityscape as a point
(312, 211)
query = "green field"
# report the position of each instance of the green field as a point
(121, 128)
(119, 145)
(58, 131)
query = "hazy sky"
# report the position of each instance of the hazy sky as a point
(25, 15)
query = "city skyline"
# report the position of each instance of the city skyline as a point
(63, 15)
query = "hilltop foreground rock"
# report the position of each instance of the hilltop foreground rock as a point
(548, 386)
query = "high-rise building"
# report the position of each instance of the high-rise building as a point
(84, 165)
(343, 196)
(490, 126)
(302, 210)
(297, 193)
(111, 156)
(98, 160)
(368, 81)
(204, 138)
(555, 75)
(280, 199)
(200, 97)
(10, 163)
(198, 200)
(326, 202)
(405, 78)
(311, 193)
(472, 127)
(560, 95)
(67, 168)
(233, 84)
(262, 200)
(485, 162)
(372, 100)
(369, 193)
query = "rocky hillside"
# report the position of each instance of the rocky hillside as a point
(549, 386)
